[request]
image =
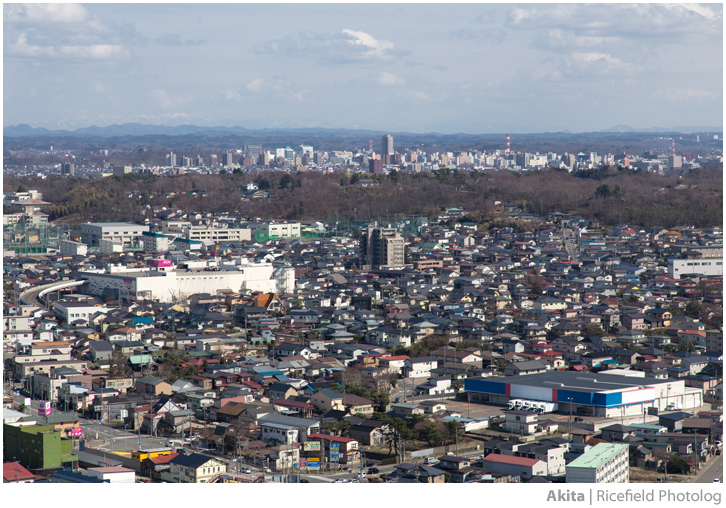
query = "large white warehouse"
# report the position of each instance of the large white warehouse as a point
(173, 285)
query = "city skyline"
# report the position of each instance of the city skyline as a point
(475, 68)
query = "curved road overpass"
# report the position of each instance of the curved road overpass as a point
(32, 296)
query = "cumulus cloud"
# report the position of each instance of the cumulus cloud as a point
(388, 79)
(22, 48)
(347, 46)
(634, 21)
(44, 13)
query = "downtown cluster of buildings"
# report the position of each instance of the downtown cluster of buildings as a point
(304, 158)
(590, 347)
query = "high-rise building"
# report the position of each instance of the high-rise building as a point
(213, 159)
(375, 166)
(254, 151)
(382, 247)
(171, 159)
(68, 168)
(227, 159)
(387, 145)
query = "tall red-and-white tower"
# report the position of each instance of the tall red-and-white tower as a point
(370, 146)
(673, 146)
(508, 150)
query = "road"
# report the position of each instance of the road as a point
(570, 238)
(713, 469)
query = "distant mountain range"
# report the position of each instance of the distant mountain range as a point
(137, 129)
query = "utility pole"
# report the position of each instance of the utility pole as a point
(570, 421)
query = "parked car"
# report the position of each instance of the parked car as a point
(247, 470)
(579, 419)
(431, 460)
(373, 470)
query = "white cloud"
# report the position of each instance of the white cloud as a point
(595, 57)
(44, 13)
(277, 87)
(256, 85)
(168, 101)
(376, 48)
(699, 9)
(22, 48)
(347, 46)
(388, 79)
(416, 96)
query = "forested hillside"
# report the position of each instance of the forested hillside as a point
(647, 199)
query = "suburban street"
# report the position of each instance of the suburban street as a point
(713, 469)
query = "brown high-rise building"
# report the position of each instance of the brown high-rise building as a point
(382, 247)
(375, 166)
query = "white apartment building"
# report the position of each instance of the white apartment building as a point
(70, 248)
(93, 232)
(204, 233)
(276, 229)
(155, 242)
(603, 463)
(69, 312)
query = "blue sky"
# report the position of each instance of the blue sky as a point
(473, 68)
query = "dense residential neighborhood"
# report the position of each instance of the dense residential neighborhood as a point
(550, 349)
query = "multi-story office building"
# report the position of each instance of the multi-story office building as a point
(171, 159)
(68, 168)
(382, 247)
(227, 159)
(387, 145)
(93, 232)
(604, 463)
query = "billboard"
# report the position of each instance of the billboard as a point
(43, 408)
(76, 432)
(312, 446)
(334, 452)
(160, 263)
(303, 464)
(314, 464)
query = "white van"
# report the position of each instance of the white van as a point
(431, 460)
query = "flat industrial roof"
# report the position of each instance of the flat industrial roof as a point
(578, 381)
(597, 455)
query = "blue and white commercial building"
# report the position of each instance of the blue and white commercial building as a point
(587, 394)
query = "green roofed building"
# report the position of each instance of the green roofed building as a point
(38, 447)
(604, 463)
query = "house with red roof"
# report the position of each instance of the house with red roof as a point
(14, 472)
(523, 467)
(348, 448)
